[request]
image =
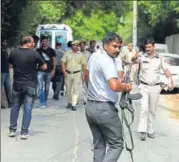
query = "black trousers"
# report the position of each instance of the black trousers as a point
(57, 82)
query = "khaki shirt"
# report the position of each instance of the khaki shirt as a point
(73, 61)
(150, 68)
(127, 55)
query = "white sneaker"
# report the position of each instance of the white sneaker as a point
(12, 134)
(43, 106)
(24, 136)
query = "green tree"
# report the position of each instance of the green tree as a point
(40, 12)
(98, 23)
(10, 22)
(158, 19)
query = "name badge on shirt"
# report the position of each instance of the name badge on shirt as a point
(145, 62)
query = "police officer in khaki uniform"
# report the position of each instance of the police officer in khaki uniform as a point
(150, 65)
(126, 56)
(73, 63)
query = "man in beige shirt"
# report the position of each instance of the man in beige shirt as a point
(72, 64)
(127, 56)
(150, 65)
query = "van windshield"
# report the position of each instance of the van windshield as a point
(61, 37)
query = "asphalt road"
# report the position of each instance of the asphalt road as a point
(61, 135)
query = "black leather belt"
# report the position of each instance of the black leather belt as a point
(149, 84)
(73, 72)
(94, 101)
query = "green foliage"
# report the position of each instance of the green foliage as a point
(125, 27)
(40, 12)
(98, 23)
(157, 19)
(10, 22)
(91, 19)
(158, 10)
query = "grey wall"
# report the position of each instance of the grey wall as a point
(173, 43)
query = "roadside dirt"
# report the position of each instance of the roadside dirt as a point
(171, 103)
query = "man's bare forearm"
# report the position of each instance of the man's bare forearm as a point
(121, 76)
(117, 86)
(167, 73)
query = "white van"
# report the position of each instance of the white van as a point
(173, 62)
(56, 33)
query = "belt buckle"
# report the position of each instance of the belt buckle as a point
(151, 84)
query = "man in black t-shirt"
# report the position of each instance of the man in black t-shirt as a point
(44, 76)
(5, 78)
(24, 60)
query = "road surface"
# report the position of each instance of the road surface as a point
(60, 135)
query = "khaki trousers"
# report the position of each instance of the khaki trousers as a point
(72, 83)
(149, 104)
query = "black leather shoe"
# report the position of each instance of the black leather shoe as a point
(69, 106)
(55, 97)
(151, 135)
(142, 136)
(62, 93)
(3, 107)
(73, 108)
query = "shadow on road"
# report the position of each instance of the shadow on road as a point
(175, 91)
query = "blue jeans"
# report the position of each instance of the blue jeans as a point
(44, 80)
(5, 81)
(21, 96)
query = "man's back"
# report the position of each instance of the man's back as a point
(24, 63)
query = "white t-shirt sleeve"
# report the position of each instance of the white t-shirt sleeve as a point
(108, 68)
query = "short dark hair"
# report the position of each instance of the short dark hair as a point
(58, 44)
(35, 37)
(149, 41)
(91, 41)
(110, 37)
(69, 44)
(43, 38)
(26, 39)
